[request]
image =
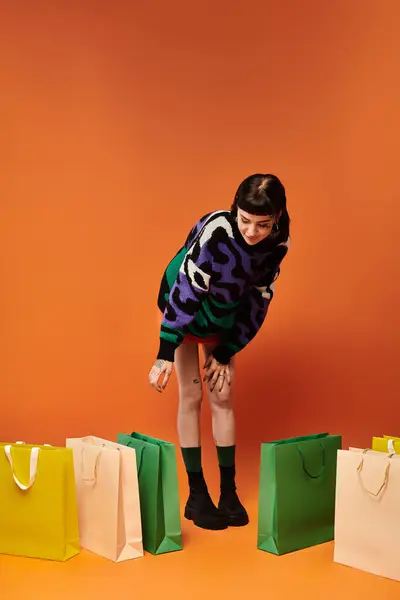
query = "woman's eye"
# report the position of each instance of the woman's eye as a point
(263, 226)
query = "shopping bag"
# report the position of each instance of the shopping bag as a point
(108, 498)
(387, 443)
(297, 492)
(38, 510)
(367, 518)
(158, 488)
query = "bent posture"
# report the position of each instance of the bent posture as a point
(215, 292)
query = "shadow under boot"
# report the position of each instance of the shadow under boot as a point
(200, 508)
(229, 503)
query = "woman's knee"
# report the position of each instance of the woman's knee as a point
(191, 397)
(221, 400)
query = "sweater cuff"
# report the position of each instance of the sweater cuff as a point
(222, 354)
(166, 350)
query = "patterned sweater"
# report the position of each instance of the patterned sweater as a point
(218, 284)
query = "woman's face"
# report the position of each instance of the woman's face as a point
(253, 228)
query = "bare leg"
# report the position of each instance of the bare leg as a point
(223, 418)
(199, 508)
(223, 424)
(190, 394)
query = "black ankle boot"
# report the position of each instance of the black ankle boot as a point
(200, 508)
(229, 503)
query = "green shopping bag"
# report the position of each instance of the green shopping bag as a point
(297, 492)
(158, 490)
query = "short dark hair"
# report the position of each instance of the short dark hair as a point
(263, 195)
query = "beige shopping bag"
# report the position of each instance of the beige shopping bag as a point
(108, 498)
(367, 513)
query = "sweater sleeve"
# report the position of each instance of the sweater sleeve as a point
(186, 295)
(253, 308)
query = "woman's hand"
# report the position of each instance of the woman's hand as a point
(216, 374)
(160, 367)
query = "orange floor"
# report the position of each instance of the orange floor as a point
(221, 565)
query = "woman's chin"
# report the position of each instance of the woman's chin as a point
(252, 241)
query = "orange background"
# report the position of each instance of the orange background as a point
(122, 124)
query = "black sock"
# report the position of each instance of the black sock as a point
(226, 456)
(192, 459)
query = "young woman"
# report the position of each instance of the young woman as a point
(216, 292)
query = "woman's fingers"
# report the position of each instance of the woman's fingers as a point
(216, 374)
(208, 362)
(221, 380)
(214, 379)
(211, 365)
(166, 377)
(154, 377)
(228, 375)
(210, 371)
(160, 367)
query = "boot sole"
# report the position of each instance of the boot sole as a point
(238, 521)
(212, 524)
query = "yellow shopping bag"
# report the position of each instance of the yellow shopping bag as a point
(387, 443)
(38, 507)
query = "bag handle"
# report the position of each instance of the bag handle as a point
(93, 478)
(17, 443)
(391, 448)
(139, 461)
(385, 476)
(306, 471)
(34, 456)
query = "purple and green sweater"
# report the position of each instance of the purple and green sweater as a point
(218, 284)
